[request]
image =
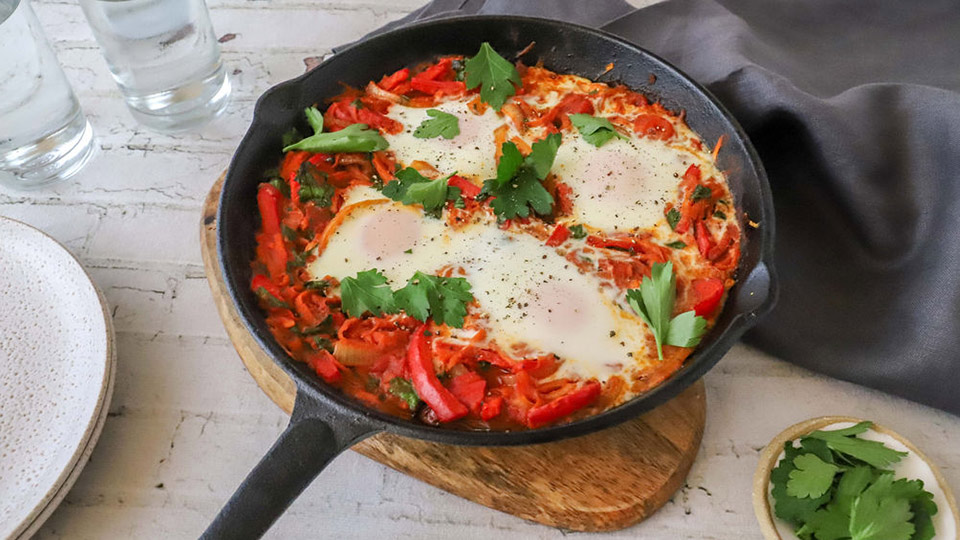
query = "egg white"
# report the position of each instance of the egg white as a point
(529, 294)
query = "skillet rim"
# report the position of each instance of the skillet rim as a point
(337, 408)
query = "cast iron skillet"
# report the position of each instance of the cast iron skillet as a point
(324, 421)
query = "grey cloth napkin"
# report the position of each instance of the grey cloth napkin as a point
(854, 108)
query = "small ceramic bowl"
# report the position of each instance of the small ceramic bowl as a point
(772, 453)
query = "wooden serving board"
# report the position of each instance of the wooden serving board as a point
(599, 482)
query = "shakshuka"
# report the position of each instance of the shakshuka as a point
(479, 244)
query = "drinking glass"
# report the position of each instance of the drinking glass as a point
(165, 57)
(44, 136)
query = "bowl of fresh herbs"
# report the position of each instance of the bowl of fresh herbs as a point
(837, 478)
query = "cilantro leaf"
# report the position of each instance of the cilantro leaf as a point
(833, 521)
(440, 124)
(368, 291)
(518, 186)
(517, 197)
(786, 507)
(353, 138)
(444, 299)
(411, 187)
(877, 514)
(654, 301)
(495, 76)
(870, 452)
(578, 232)
(594, 129)
(673, 218)
(686, 329)
(812, 477)
(855, 429)
(313, 185)
(402, 388)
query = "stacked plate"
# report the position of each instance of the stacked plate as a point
(57, 363)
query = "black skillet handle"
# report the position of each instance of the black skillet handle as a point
(303, 450)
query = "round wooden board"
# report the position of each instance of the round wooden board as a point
(605, 481)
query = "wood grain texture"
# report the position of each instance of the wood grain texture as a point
(600, 482)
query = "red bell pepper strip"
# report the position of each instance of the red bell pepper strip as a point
(708, 293)
(420, 366)
(261, 281)
(325, 365)
(443, 67)
(469, 388)
(491, 408)
(563, 406)
(468, 189)
(441, 87)
(558, 236)
(704, 239)
(268, 201)
(389, 82)
(291, 164)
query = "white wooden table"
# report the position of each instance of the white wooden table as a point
(187, 422)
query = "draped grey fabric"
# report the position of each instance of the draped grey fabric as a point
(854, 108)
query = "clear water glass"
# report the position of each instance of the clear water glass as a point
(44, 136)
(165, 57)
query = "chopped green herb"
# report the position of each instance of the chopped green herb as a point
(654, 302)
(676, 245)
(408, 251)
(673, 218)
(282, 186)
(289, 234)
(318, 285)
(299, 259)
(313, 185)
(496, 77)
(271, 300)
(719, 215)
(459, 203)
(701, 192)
(578, 232)
(290, 137)
(323, 343)
(594, 129)
(403, 389)
(440, 124)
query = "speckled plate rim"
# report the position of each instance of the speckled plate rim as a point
(65, 480)
(770, 455)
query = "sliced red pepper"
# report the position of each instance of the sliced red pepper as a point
(325, 365)
(389, 82)
(707, 293)
(420, 365)
(704, 239)
(653, 252)
(491, 408)
(291, 164)
(558, 236)
(468, 189)
(268, 201)
(691, 177)
(494, 358)
(261, 281)
(443, 67)
(653, 126)
(469, 388)
(450, 88)
(570, 104)
(564, 406)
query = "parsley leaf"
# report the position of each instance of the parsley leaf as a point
(402, 388)
(313, 185)
(518, 185)
(411, 187)
(811, 478)
(353, 138)
(877, 514)
(833, 521)
(368, 291)
(440, 124)
(495, 76)
(673, 218)
(594, 129)
(654, 301)
(786, 507)
(870, 452)
(578, 232)
(444, 299)
(701, 192)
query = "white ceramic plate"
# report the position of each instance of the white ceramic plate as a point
(56, 374)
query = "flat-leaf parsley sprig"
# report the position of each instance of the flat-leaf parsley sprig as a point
(653, 302)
